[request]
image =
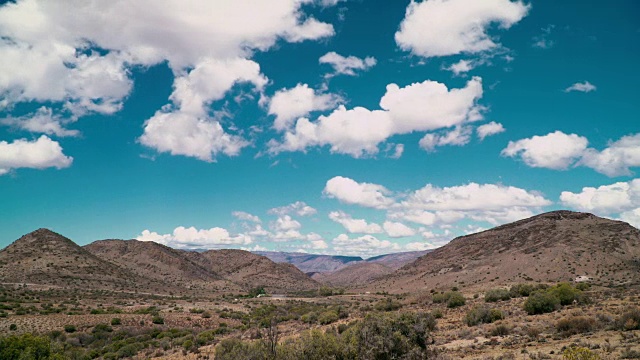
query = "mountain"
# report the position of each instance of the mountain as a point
(252, 270)
(551, 247)
(46, 258)
(397, 260)
(358, 273)
(311, 263)
(161, 263)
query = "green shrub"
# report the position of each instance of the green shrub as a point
(541, 302)
(328, 317)
(70, 328)
(454, 299)
(521, 290)
(483, 315)
(579, 353)
(567, 294)
(116, 321)
(629, 320)
(157, 319)
(500, 330)
(13, 327)
(496, 295)
(387, 305)
(437, 313)
(575, 325)
(26, 346)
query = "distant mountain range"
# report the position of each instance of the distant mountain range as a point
(551, 247)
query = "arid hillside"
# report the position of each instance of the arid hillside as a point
(251, 270)
(359, 273)
(161, 263)
(551, 247)
(46, 258)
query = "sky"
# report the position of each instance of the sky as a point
(353, 127)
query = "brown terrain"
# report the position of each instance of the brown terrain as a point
(44, 257)
(160, 263)
(251, 270)
(360, 273)
(116, 299)
(551, 247)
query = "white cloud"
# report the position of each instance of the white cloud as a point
(555, 150)
(606, 199)
(42, 121)
(358, 132)
(459, 136)
(349, 65)
(440, 28)
(472, 197)
(349, 191)
(285, 223)
(419, 246)
(398, 150)
(79, 55)
(241, 215)
(192, 238)
(582, 87)
(542, 41)
(290, 104)
(461, 67)
(37, 154)
(366, 245)
(186, 128)
(355, 225)
(397, 229)
(299, 207)
(632, 217)
(180, 133)
(489, 129)
(616, 159)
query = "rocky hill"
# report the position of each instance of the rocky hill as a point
(46, 258)
(311, 263)
(252, 270)
(160, 263)
(358, 273)
(551, 247)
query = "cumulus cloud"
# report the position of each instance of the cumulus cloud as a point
(555, 150)
(459, 136)
(299, 208)
(241, 215)
(84, 65)
(186, 128)
(349, 191)
(192, 238)
(431, 205)
(558, 151)
(355, 225)
(439, 28)
(43, 121)
(357, 132)
(622, 198)
(37, 154)
(290, 104)
(366, 246)
(349, 65)
(581, 87)
(606, 199)
(632, 217)
(489, 129)
(397, 229)
(616, 159)
(461, 67)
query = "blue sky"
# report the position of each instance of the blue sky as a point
(327, 126)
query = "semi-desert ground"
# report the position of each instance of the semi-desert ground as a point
(560, 285)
